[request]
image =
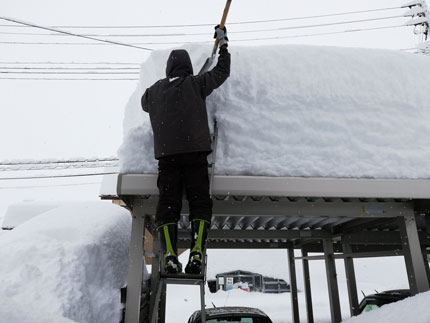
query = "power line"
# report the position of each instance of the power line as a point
(230, 23)
(71, 63)
(230, 32)
(69, 68)
(67, 79)
(57, 176)
(235, 40)
(321, 34)
(72, 34)
(320, 25)
(68, 161)
(41, 186)
(69, 73)
(201, 42)
(54, 166)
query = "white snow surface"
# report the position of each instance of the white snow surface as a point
(18, 213)
(294, 110)
(65, 265)
(412, 310)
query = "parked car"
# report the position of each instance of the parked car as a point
(374, 301)
(231, 314)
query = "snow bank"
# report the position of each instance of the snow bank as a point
(305, 111)
(412, 310)
(65, 265)
(18, 213)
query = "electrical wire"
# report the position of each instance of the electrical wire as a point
(321, 34)
(265, 38)
(69, 68)
(56, 176)
(42, 186)
(238, 40)
(71, 63)
(98, 44)
(69, 73)
(67, 79)
(72, 34)
(231, 32)
(69, 161)
(230, 23)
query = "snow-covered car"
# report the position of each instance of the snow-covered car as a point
(374, 301)
(231, 314)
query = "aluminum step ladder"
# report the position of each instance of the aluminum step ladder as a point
(157, 313)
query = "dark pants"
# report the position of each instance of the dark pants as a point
(181, 172)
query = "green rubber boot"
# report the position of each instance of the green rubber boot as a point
(168, 235)
(199, 233)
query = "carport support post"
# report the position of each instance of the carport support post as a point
(414, 261)
(293, 286)
(308, 292)
(350, 280)
(135, 264)
(333, 290)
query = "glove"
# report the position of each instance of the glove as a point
(221, 34)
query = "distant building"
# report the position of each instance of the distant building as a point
(249, 281)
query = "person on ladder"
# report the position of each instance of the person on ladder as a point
(177, 109)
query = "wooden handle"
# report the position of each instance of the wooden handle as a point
(224, 15)
(223, 19)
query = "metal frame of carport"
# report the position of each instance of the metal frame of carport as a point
(341, 218)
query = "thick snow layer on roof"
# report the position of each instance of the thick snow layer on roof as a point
(65, 265)
(305, 111)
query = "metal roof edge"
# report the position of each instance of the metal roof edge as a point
(146, 184)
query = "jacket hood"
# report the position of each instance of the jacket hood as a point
(179, 64)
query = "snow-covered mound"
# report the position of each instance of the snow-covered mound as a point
(18, 213)
(412, 310)
(305, 111)
(65, 265)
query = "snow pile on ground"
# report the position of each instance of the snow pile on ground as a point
(18, 213)
(412, 310)
(65, 265)
(297, 110)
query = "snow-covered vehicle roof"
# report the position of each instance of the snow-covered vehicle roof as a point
(305, 111)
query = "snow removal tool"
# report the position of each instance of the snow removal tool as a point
(211, 59)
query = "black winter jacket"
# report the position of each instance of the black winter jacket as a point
(177, 104)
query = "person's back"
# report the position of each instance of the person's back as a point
(177, 105)
(177, 109)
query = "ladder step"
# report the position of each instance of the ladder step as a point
(182, 279)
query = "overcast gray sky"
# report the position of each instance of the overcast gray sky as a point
(63, 119)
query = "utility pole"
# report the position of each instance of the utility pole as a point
(420, 19)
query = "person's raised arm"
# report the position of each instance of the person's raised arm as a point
(215, 77)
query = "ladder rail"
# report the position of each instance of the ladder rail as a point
(164, 279)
